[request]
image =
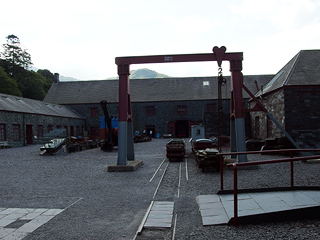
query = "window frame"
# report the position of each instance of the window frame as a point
(94, 112)
(16, 132)
(3, 133)
(150, 110)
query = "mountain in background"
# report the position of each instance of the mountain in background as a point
(146, 73)
(67, 79)
(134, 74)
(143, 73)
(61, 78)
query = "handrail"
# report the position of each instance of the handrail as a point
(291, 151)
(235, 169)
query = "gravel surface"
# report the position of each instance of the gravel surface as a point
(111, 205)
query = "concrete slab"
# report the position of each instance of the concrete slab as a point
(157, 224)
(130, 167)
(212, 210)
(214, 220)
(16, 223)
(160, 215)
(257, 206)
(313, 195)
(153, 215)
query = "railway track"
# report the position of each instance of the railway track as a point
(171, 178)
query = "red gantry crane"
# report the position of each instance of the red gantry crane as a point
(237, 123)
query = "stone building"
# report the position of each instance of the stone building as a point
(172, 105)
(292, 96)
(161, 105)
(22, 120)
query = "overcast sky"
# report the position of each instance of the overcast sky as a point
(81, 39)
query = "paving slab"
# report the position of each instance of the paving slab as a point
(160, 215)
(215, 212)
(212, 210)
(17, 223)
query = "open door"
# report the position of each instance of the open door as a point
(29, 134)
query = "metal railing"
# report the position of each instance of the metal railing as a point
(236, 165)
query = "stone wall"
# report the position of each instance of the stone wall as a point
(302, 107)
(93, 122)
(297, 109)
(164, 113)
(261, 126)
(32, 121)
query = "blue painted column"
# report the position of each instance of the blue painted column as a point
(123, 71)
(233, 141)
(237, 107)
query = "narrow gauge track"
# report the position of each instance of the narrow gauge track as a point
(169, 184)
(170, 177)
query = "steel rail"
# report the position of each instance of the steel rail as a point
(157, 170)
(174, 227)
(291, 151)
(187, 175)
(179, 181)
(164, 172)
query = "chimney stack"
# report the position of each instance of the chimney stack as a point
(56, 78)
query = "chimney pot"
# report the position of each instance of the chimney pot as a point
(56, 78)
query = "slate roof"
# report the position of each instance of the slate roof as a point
(302, 70)
(146, 90)
(25, 105)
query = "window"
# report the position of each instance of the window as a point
(94, 112)
(150, 110)
(16, 132)
(212, 107)
(205, 83)
(182, 110)
(40, 131)
(2, 132)
(77, 131)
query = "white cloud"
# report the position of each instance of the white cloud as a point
(82, 38)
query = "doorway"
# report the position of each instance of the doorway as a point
(29, 134)
(182, 128)
(151, 130)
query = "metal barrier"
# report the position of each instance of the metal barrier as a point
(236, 165)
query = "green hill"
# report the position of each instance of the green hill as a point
(144, 73)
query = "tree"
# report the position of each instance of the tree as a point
(33, 86)
(49, 78)
(26, 60)
(15, 76)
(14, 55)
(8, 85)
